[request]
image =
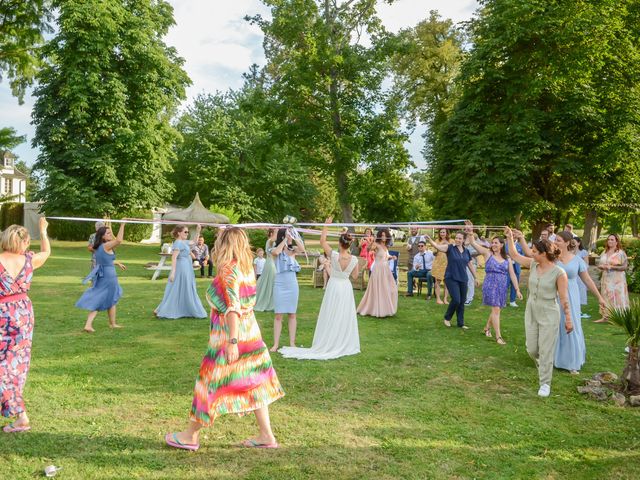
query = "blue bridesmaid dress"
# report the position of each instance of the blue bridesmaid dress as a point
(181, 296)
(571, 351)
(106, 291)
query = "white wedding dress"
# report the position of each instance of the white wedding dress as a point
(337, 328)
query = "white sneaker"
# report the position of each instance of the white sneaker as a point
(545, 390)
(585, 315)
(513, 304)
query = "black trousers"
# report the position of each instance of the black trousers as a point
(210, 267)
(458, 294)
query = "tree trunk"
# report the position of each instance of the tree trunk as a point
(631, 373)
(518, 221)
(343, 197)
(537, 228)
(590, 232)
(339, 163)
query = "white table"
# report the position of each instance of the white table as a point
(161, 265)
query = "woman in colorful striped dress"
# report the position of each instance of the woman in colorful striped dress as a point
(236, 374)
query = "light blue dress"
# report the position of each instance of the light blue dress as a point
(285, 286)
(571, 350)
(106, 291)
(581, 285)
(181, 296)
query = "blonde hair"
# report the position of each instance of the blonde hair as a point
(177, 229)
(233, 244)
(13, 238)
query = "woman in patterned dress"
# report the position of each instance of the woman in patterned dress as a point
(439, 267)
(236, 374)
(613, 264)
(498, 270)
(16, 319)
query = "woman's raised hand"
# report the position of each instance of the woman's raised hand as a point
(508, 233)
(468, 227)
(43, 224)
(329, 220)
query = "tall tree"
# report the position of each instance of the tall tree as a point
(22, 27)
(229, 157)
(104, 104)
(327, 86)
(426, 63)
(543, 95)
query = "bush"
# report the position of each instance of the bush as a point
(633, 274)
(135, 232)
(257, 237)
(229, 212)
(70, 230)
(76, 231)
(11, 213)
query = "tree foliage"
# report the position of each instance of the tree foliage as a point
(548, 107)
(231, 159)
(9, 138)
(327, 88)
(22, 27)
(104, 104)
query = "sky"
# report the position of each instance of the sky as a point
(218, 46)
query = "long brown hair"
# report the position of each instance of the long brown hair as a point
(233, 244)
(618, 244)
(567, 237)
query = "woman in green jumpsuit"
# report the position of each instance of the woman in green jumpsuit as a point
(547, 282)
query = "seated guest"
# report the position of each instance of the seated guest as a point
(422, 262)
(258, 263)
(200, 253)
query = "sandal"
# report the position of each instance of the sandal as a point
(251, 443)
(12, 428)
(171, 439)
(487, 332)
(500, 341)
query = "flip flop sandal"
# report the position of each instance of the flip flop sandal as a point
(11, 428)
(250, 443)
(171, 439)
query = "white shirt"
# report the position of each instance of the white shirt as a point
(428, 260)
(259, 265)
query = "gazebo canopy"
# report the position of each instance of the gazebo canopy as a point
(195, 213)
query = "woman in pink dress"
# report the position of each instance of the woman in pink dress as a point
(381, 296)
(365, 243)
(17, 264)
(613, 284)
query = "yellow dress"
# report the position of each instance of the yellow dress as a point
(439, 264)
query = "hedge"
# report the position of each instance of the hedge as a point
(11, 213)
(77, 231)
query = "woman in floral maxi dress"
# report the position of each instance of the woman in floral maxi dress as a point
(236, 374)
(16, 319)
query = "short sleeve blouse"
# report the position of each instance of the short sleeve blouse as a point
(457, 263)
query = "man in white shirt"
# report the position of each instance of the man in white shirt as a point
(422, 263)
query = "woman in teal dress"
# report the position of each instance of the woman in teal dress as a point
(180, 295)
(264, 287)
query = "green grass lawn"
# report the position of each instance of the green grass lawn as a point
(420, 401)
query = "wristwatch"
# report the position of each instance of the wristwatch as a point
(233, 341)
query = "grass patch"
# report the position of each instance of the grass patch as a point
(420, 401)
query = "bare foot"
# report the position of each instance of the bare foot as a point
(274, 348)
(115, 325)
(88, 330)
(602, 320)
(439, 302)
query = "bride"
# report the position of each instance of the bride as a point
(337, 328)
